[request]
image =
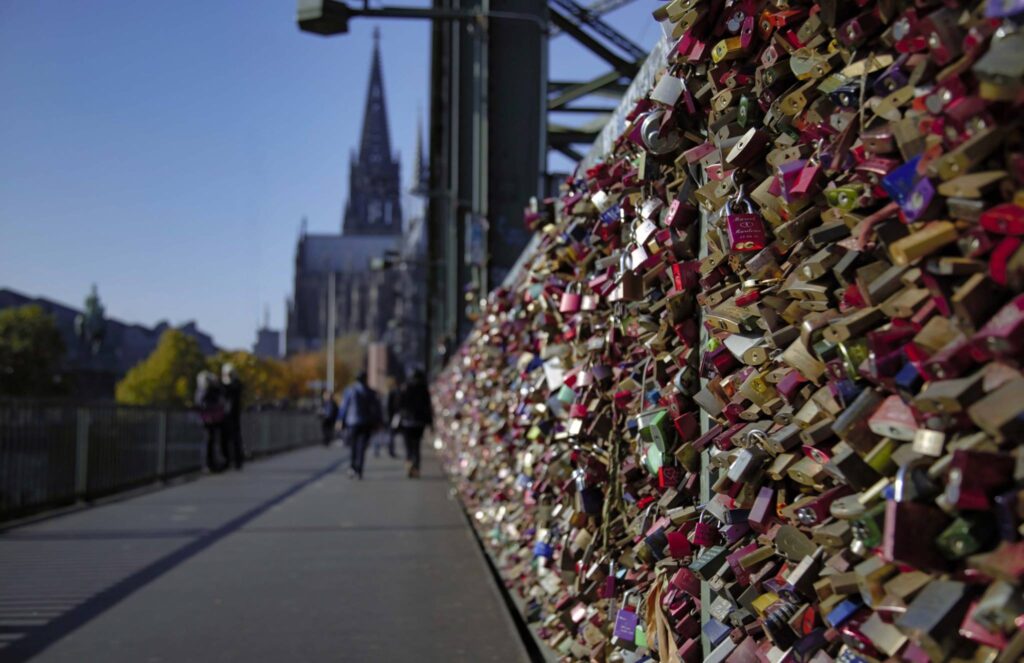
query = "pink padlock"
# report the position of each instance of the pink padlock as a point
(746, 231)
(807, 180)
(704, 534)
(571, 299)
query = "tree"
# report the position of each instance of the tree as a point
(263, 379)
(302, 370)
(167, 376)
(31, 351)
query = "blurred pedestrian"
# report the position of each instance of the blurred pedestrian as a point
(415, 414)
(328, 416)
(360, 415)
(210, 403)
(392, 414)
(232, 414)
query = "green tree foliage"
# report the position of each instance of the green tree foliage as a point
(31, 350)
(167, 376)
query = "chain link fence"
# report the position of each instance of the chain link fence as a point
(56, 453)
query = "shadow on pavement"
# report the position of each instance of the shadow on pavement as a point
(40, 631)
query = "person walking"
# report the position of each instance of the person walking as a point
(415, 414)
(393, 418)
(209, 402)
(360, 415)
(328, 416)
(232, 415)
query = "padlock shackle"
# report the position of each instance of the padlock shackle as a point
(738, 197)
(901, 476)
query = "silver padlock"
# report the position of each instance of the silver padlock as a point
(656, 141)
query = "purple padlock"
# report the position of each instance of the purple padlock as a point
(918, 200)
(1003, 8)
(787, 175)
(626, 624)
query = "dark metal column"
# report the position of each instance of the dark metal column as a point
(487, 148)
(516, 136)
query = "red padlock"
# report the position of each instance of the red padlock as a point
(571, 299)
(678, 546)
(746, 231)
(1005, 219)
(807, 180)
(704, 534)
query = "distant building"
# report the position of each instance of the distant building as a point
(268, 343)
(124, 344)
(372, 225)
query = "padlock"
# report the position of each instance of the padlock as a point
(705, 533)
(571, 299)
(807, 180)
(932, 618)
(628, 285)
(657, 139)
(908, 524)
(966, 535)
(626, 620)
(746, 231)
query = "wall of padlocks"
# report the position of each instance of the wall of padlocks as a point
(757, 395)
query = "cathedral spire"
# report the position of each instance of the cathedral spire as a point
(375, 145)
(373, 206)
(421, 172)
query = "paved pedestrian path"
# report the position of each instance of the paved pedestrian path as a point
(289, 560)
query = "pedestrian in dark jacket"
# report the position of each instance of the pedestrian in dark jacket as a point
(232, 414)
(360, 415)
(328, 416)
(209, 401)
(415, 414)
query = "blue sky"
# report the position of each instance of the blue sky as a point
(168, 150)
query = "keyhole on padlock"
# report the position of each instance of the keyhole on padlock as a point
(736, 21)
(901, 28)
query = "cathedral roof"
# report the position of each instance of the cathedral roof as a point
(343, 253)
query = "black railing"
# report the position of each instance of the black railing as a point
(56, 453)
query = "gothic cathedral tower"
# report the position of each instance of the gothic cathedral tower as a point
(374, 206)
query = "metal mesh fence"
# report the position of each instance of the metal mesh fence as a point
(54, 453)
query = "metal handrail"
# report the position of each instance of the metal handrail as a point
(54, 453)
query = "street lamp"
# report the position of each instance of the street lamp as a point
(323, 17)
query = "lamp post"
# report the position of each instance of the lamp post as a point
(332, 306)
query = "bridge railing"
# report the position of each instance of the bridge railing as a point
(55, 453)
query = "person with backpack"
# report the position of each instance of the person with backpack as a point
(414, 415)
(210, 403)
(360, 415)
(328, 416)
